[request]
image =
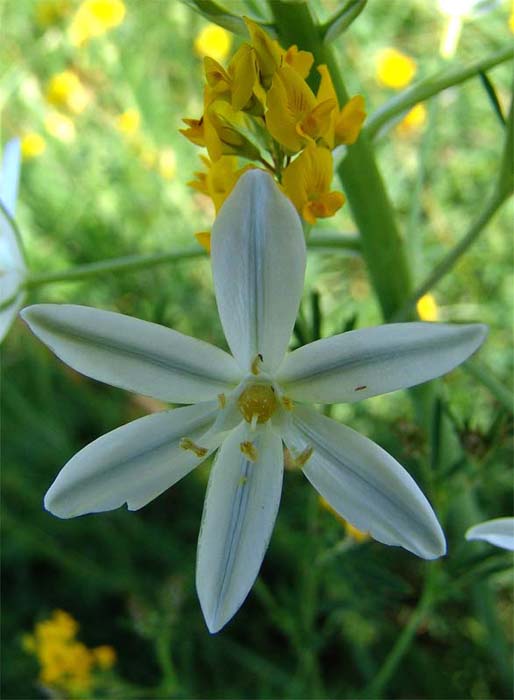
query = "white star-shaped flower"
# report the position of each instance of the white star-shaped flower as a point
(249, 404)
(499, 532)
(12, 262)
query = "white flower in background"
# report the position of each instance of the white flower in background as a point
(499, 532)
(12, 263)
(456, 12)
(246, 404)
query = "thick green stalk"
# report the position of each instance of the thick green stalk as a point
(432, 86)
(382, 246)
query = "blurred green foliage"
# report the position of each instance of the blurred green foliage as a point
(325, 612)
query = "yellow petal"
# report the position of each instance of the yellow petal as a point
(317, 123)
(290, 101)
(204, 239)
(32, 145)
(269, 52)
(324, 206)
(349, 122)
(243, 73)
(301, 61)
(196, 131)
(216, 76)
(427, 308)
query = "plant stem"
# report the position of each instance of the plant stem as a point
(450, 260)
(128, 263)
(403, 642)
(132, 263)
(431, 86)
(382, 246)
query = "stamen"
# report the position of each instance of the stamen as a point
(249, 450)
(287, 403)
(222, 401)
(188, 444)
(256, 364)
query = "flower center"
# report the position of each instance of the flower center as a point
(257, 402)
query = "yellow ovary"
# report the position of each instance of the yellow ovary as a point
(257, 400)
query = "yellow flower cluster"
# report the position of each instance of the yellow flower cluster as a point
(260, 108)
(67, 665)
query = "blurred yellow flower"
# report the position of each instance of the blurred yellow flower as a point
(32, 145)
(427, 308)
(65, 90)
(306, 182)
(167, 163)
(50, 12)
(413, 120)
(105, 656)
(511, 17)
(213, 41)
(350, 529)
(128, 122)
(60, 126)
(94, 18)
(66, 665)
(395, 69)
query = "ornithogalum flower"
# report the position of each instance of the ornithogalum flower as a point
(499, 532)
(12, 262)
(249, 404)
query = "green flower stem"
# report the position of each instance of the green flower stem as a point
(133, 263)
(432, 86)
(503, 190)
(403, 642)
(450, 260)
(382, 246)
(484, 375)
(129, 263)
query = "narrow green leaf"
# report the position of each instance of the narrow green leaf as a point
(491, 93)
(342, 19)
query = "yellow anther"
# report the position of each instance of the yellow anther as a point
(256, 364)
(249, 450)
(187, 444)
(287, 403)
(257, 403)
(222, 401)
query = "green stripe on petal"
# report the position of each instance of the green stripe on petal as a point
(133, 464)
(258, 264)
(239, 514)
(365, 485)
(133, 354)
(356, 365)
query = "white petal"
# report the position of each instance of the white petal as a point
(133, 354)
(10, 175)
(371, 361)
(132, 464)
(9, 313)
(240, 510)
(258, 263)
(499, 532)
(365, 485)
(11, 254)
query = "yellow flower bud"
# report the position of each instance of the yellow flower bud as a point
(32, 145)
